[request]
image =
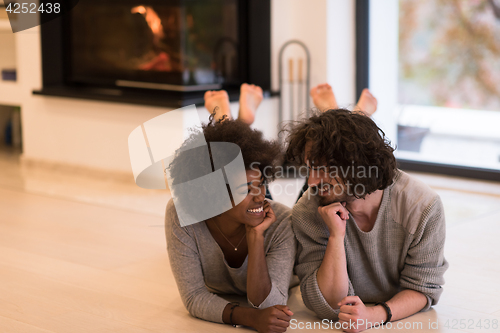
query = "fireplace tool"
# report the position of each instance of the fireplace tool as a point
(297, 86)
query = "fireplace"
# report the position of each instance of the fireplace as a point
(156, 52)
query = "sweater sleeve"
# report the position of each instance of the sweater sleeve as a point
(425, 263)
(187, 270)
(312, 238)
(280, 259)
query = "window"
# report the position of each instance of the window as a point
(434, 65)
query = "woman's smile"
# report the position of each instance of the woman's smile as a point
(256, 212)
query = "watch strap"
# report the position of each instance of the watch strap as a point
(231, 314)
(387, 310)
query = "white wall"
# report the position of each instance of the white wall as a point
(7, 49)
(94, 134)
(341, 50)
(384, 27)
(305, 21)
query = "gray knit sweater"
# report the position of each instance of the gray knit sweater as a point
(203, 275)
(404, 250)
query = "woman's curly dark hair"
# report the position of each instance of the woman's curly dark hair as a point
(195, 159)
(345, 140)
(255, 150)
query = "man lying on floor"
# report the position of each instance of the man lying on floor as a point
(366, 231)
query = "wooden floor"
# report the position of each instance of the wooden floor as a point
(80, 256)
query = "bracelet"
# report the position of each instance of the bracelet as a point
(231, 314)
(387, 309)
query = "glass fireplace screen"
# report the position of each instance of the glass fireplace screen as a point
(185, 43)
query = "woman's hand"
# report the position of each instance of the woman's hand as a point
(258, 280)
(269, 218)
(273, 319)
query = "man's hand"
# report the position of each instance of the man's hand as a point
(335, 216)
(332, 277)
(357, 317)
(273, 319)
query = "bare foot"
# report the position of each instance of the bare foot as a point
(323, 97)
(250, 98)
(218, 101)
(367, 103)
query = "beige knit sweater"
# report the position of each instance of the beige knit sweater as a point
(203, 276)
(404, 250)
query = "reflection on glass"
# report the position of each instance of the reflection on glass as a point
(449, 82)
(449, 53)
(176, 42)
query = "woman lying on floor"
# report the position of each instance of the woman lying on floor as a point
(249, 250)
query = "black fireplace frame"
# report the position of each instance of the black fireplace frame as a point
(255, 35)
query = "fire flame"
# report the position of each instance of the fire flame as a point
(152, 19)
(161, 62)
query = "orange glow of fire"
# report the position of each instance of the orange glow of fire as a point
(161, 62)
(152, 19)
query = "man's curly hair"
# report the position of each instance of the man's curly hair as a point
(347, 141)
